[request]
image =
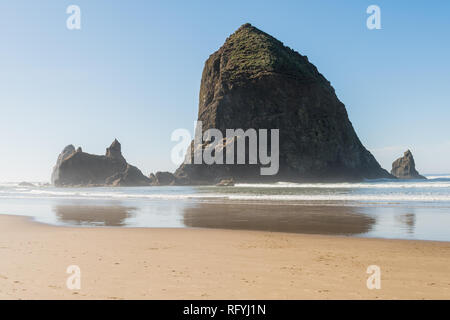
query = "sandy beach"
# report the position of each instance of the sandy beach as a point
(133, 263)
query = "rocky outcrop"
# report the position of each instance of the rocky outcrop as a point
(67, 151)
(115, 151)
(131, 177)
(163, 178)
(26, 184)
(254, 81)
(405, 167)
(226, 183)
(77, 168)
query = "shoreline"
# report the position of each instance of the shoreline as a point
(32, 220)
(144, 263)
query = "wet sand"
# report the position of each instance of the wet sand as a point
(294, 218)
(410, 221)
(274, 217)
(129, 263)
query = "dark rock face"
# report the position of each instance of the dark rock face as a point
(115, 151)
(405, 167)
(67, 152)
(131, 177)
(77, 168)
(254, 81)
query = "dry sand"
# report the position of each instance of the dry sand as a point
(119, 263)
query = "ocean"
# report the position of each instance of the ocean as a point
(401, 209)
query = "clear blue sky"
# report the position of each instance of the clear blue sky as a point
(133, 72)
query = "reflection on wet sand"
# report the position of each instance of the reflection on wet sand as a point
(112, 215)
(337, 220)
(407, 220)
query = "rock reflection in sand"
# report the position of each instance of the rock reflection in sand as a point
(407, 221)
(103, 215)
(337, 220)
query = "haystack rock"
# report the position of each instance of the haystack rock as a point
(254, 81)
(405, 167)
(77, 168)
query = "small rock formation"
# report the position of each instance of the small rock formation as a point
(26, 184)
(77, 168)
(254, 81)
(131, 177)
(226, 183)
(405, 167)
(163, 178)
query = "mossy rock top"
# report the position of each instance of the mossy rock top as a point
(250, 52)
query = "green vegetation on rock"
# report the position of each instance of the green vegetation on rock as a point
(249, 52)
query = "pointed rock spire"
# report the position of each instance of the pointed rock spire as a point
(115, 151)
(405, 167)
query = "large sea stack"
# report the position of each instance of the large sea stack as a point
(78, 168)
(405, 167)
(254, 81)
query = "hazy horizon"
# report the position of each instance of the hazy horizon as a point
(133, 73)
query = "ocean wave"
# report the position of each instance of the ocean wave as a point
(347, 197)
(345, 185)
(102, 195)
(440, 177)
(380, 197)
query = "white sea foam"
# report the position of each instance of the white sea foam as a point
(432, 177)
(436, 189)
(346, 197)
(250, 197)
(8, 184)
(362, 185)
(102, 195)
(328, 196)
